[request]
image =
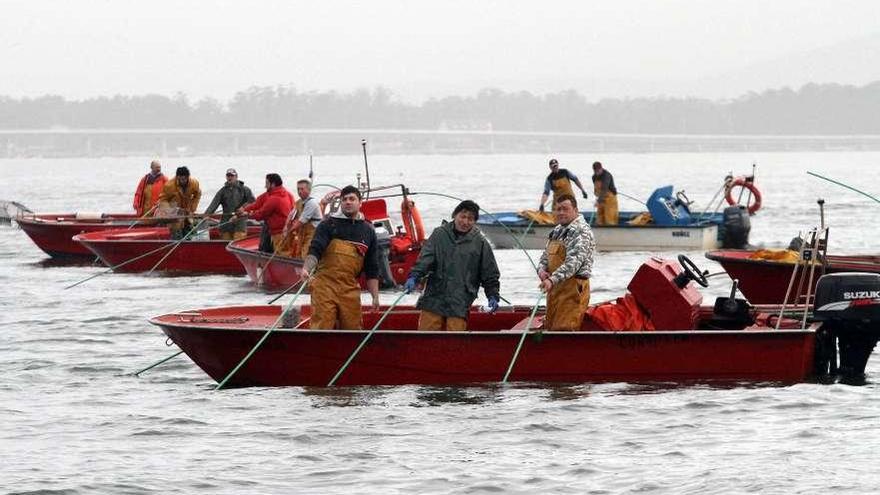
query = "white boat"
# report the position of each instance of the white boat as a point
(513, 231)
(672, 227)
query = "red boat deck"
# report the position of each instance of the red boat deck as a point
(121, 246)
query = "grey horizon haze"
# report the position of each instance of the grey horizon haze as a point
(419, 50)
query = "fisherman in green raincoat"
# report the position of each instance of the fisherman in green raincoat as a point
(457, 259)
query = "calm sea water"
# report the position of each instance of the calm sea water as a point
(75, 421)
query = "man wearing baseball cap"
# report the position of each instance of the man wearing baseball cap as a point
(232, 196)
(559, 181)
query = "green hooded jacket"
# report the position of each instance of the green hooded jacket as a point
(456, 268)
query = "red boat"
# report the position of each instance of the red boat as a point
(766, 281)
(140, 249)
(731, 341)
(401, 247)
(53, 232)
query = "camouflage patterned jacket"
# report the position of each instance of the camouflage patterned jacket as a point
(579, 248)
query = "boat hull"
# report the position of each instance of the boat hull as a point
(766, 281)
(120, 247)
(278, 273)
(613, 238)
(291, 357)
(270, 273)
(53, 233)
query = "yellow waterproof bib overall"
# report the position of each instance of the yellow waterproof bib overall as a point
(561, 186)
(336, 295)
(432, 321)
(567, 300)
(606, 211)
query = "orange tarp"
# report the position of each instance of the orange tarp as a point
(622, 315)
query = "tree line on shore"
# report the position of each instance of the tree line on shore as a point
(812, 109)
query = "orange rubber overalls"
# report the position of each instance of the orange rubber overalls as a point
(567, 300)
(606, 211)
(561, 186)
(432, 321)
(336, 295)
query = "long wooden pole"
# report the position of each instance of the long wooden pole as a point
(176, 244)
(263, 339)
(364, 341)
(157, 363)
(841, 184)
(522, 338)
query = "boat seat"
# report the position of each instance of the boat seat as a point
(374, 209)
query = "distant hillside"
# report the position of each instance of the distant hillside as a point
(811, 109)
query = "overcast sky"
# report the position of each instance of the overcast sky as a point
(420, 49)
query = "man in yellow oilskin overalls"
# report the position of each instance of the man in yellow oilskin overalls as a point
(606, 196)
(302, 221)
(344, 246)
(180, 195)
(566, 266)
(559, 181)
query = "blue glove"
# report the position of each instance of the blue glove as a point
(410, 285)
(493, 304)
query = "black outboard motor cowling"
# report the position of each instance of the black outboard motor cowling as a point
(849, 306)
(737, 226)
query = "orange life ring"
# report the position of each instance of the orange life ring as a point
(744, 183)
(412, 221)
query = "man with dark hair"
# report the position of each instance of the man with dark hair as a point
(566, 267)
(180, 196)
(183, 192)
(559, 181)
(232, 196)
(457, 260)
(302, 221)
(149, 189)
(272, 207)
(344, 246)
(606, 196)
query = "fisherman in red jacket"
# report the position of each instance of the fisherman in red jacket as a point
(273, 207)
(146, 196)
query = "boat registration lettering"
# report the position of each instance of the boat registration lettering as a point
(681, 233)
(644, 340)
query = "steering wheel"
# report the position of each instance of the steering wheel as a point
(692, 271)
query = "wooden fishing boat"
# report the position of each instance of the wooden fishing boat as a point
(53, 232)
(730, 341)
(765, 281)
(400, 249)
(140, 249)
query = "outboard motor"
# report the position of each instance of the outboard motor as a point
(849, 306)
(736, 225)
(383, 244)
